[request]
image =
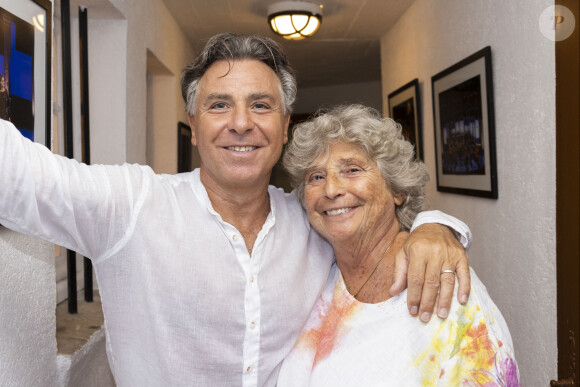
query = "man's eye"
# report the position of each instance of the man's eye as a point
(353, 170)
(219, 105)
(261, 106)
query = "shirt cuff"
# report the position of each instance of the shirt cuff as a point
(455, 224)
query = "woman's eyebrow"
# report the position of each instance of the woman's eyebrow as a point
(350, 160)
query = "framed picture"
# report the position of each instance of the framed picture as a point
(25, 66)
(464, 126)
(405, 108)
(184, 148)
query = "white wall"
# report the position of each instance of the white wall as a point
(310, 99)
(162, 130)
(108, 94)
(514, 247)
(27, 311)
(149, 27)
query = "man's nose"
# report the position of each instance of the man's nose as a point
(241, 120)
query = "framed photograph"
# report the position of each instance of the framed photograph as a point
(25, 66)
(184, 148)
(463, 119)
(405, 108)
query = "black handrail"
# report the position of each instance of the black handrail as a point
(85, 128)
(68, 139)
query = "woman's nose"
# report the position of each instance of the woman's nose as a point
(334, 186)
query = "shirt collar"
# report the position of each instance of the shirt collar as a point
(201, 194)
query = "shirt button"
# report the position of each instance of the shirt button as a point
(235, 237)
(252, 325)
(252, 279)
(249, 369)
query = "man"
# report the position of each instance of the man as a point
(206, 278)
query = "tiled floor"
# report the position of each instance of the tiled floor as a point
(74, 330)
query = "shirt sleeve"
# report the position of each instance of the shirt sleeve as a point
(479, 347)
(87, 209)
(435, 216)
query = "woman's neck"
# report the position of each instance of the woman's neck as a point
(367, 268)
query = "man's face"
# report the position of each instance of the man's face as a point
(239, 124)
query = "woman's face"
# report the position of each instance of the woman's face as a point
(347, 198)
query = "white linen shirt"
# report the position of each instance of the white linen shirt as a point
(184, 302)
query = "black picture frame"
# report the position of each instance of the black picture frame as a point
(184, 148)
(405, 109)
(464, 125)
(26, 27)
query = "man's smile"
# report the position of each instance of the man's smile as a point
(241, 148)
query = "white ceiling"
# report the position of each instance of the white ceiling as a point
(346, 48)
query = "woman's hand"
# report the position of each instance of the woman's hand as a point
(430, 249)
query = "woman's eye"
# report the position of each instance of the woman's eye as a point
(315, 177)
(353, 170)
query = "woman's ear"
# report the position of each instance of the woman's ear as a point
(399, 199)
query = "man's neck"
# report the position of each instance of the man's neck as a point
(245, 208)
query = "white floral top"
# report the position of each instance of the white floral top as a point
(349, 343)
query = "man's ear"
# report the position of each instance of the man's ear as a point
(286, 123)
(191, 124)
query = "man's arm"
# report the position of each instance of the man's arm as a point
(84, 208)
(431, 248)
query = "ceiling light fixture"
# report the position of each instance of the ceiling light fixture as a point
(294, 20)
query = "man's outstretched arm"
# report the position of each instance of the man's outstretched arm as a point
(83, 208)
(426, 261)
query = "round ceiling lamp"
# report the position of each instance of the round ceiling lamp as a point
(294, 20)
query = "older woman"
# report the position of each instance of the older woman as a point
(361, 186)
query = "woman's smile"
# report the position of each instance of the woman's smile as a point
(338, 211)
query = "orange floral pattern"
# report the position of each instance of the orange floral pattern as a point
(333, 317)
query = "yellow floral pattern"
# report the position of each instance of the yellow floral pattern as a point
(463, 353)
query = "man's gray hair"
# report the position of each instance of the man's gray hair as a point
(379, 137)
(232, 47)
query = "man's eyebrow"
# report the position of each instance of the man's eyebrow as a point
(218, 96)
(256, 96)
(228, 97)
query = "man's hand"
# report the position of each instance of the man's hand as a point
(430, 249)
